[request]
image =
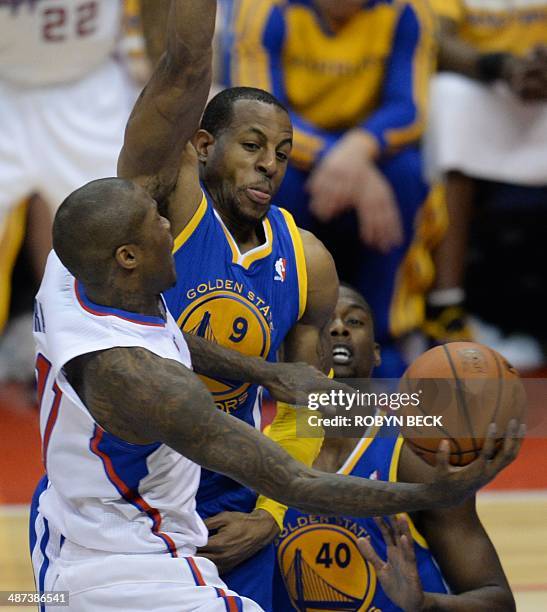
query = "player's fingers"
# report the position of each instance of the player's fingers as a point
(216, 522)
(488, 449)
(513, 439)
(386, 530)
(442, 457)
(406, 540)
(368, 552)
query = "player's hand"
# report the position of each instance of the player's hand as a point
(398, 575)
(380, 225)
(237, 536)
(293, 382)
(335, 180)
(452, 485)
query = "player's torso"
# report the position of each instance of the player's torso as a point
(319, 564)
(247, 303)
(103, 492)
(334, 80)
(515, 26)
(45, 42)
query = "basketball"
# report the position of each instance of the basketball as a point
(467, 386)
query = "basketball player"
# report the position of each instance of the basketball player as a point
(450, 563)
(248, 278)
(125, 421)
(64, 103)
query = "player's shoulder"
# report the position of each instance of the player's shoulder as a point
(316, 253)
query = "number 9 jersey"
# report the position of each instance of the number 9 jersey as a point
(46, 42)
(246, 302)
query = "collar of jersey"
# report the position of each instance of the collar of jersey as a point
(107, 311)
(245, 260)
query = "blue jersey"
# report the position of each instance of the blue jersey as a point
(319, 566)
(247, 302)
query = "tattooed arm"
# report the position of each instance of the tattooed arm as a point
(156, 153)
(143, 398)
(286, 382)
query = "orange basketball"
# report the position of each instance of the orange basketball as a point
(466, 386)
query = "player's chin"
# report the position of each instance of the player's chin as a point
(346, 370)
(251, 210)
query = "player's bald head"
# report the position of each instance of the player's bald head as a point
(94, 221)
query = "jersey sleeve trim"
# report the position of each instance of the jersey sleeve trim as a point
(393, 469)
(358, 451)
(192, 225)
(300, 262)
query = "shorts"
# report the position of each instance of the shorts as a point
(99, 581)
(55, 139)
(486, 132)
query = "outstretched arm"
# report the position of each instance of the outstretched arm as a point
(168, 111)
(466, 556)
(142, 398)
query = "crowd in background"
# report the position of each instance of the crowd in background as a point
(420, 133)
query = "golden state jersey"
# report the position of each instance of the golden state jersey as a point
(511, 26)
(246, 302)
(319, 566)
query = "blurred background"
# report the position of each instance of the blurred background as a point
(420, 159)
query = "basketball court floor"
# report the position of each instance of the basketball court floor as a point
(513, 508)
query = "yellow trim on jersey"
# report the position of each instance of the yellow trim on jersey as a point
(393, 468)
(416, 272)
(191, 225)
(12, 233)
(358, 451)
(289, 429)
(300, 257)
(260, 252)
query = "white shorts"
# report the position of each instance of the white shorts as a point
(55, 139)
(486, 132)
(105, 582)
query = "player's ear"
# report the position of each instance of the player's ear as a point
(127, 256)
(377, 355)
(203, 141)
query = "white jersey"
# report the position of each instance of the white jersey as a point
(101, 492)
(46, 42)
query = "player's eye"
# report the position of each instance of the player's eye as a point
(251, 146)
(282, 157)
(355, 322)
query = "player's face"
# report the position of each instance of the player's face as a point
(158, 266)
(354, 351)
(248, 161)
(339, 10)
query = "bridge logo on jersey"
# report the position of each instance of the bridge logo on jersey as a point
(233, 320)
(323, 570)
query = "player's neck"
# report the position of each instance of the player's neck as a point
(126, 299)
(246, 233)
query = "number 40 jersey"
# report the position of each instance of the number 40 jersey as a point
(46, 42)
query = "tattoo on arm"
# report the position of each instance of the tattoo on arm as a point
(142, 398)
(219, 362)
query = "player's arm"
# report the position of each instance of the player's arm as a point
(286, 382)
(457, 55)
(154, 16)
(465, 554)
(156, 153)
(401, 114)
(142, 398)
